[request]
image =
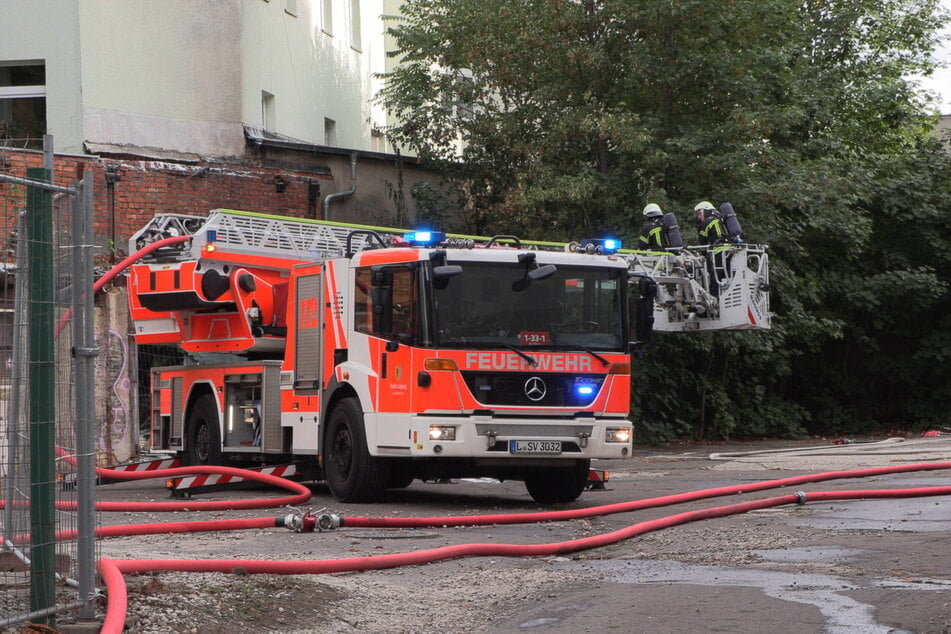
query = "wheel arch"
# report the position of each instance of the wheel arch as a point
(199, 389)
(202, 409)
(335, 393)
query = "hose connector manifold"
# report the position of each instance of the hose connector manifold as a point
(300, 521)
(329, 522)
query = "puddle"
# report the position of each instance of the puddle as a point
(832, 554)
(843, 615)
(918, 515)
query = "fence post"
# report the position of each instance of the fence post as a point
(14, 432)
(42, 398)
(84, 351)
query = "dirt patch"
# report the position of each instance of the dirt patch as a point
(224, 604)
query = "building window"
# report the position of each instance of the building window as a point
(355, 42)
(290, 7)
(22, 104)
(327, 16)
(330, 132)
(267, 111)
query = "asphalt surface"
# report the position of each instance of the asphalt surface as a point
(845, 566)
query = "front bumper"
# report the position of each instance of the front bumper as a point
(489, 437)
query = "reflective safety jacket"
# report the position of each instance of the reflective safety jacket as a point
(711, 229)
(652, 235)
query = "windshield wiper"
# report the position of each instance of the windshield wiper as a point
(578, 346)
(531, 360)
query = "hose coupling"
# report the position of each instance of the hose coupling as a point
(328, 522)
(800, 497)
(300, 521)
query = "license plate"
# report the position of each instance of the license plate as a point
(535, 446)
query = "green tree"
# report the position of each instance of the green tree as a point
(564, 118)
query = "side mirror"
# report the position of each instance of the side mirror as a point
(636, 350)
(382, 298)
(443, 273)
(644, 320)
(446, 271)
(542, 272)
(381, 277)
(647, 287)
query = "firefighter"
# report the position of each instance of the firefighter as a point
(713, 232)
(652, 234)
(709, 224)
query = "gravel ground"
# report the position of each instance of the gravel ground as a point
(506, 594)
(440, 598)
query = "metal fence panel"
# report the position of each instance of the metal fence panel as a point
(48, 519)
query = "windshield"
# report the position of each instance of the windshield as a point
(495, 304)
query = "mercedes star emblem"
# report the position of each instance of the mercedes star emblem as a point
(535, 388)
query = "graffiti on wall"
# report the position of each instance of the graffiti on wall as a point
(117, 429)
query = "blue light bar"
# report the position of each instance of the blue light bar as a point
(424, 238)
(606, 246)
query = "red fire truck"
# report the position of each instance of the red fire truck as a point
(376, 357)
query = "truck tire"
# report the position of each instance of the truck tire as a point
(556, 485)
(352, 474)
(202, 435)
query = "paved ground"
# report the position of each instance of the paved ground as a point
(858, 566)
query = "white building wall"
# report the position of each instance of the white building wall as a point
(163, 74)
(314, 70)
(184, 75)
(47, 30)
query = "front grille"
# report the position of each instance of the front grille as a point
(533, 389)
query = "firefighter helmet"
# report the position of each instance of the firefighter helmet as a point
(705, 206)
(652, 210)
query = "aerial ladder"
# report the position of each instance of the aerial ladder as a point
(694, 289)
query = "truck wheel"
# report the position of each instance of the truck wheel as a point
(556, 485)
(353, 475)
(203, 438)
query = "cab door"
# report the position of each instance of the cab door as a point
(394, 297)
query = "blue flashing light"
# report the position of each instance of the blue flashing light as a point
(604, 246)
(584, 390)
(424, 238)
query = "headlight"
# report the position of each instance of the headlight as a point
(618, 434)
(442, 432)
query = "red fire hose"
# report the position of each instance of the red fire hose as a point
(302, 492)
(635, 505)
(112, 570)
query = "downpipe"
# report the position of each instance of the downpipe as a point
(345, 194)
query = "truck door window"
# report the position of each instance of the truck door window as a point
(386, 302)
(362, 310)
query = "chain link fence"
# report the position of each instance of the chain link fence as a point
(47, 450)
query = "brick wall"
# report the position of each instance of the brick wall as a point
(129, 192)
